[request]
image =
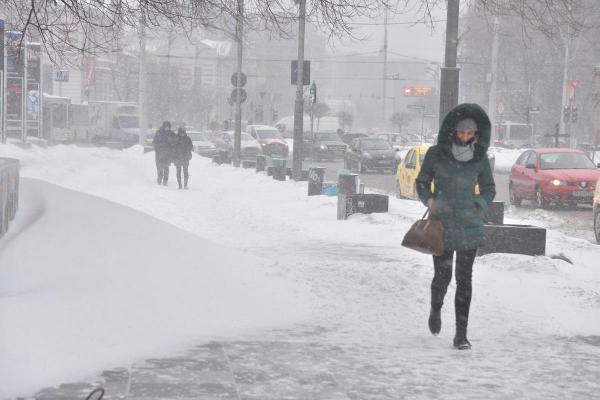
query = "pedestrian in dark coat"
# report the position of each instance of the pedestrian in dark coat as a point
(455, 165)
(163, 142)
(182, 155)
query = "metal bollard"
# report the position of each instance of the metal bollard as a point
(348, 185)
(279, 169)
(316, 176)
(261, 163)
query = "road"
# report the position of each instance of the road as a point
(576, 222)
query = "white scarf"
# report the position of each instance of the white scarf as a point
(463, 153)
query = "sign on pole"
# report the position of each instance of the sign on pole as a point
(61, 75)
(305, 73)
(243, 79)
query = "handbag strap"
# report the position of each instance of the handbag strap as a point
(426, 212)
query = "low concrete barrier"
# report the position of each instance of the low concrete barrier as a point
(365, 204)
(9, 192)
(515, 239)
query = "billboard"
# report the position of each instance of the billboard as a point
(14, 75)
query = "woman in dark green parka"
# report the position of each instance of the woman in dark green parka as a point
(456, 165)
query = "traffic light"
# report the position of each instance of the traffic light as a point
(574, 114)
(567, 114)
(275, 116)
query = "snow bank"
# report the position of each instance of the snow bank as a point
(86, 284)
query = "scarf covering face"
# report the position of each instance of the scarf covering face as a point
(463, 153)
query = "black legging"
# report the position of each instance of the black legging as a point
(442, 278)
(185, 164)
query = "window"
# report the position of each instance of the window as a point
(411, 159)
(566, 161)
(522, 158)
(531, 159)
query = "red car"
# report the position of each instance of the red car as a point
(560, 176)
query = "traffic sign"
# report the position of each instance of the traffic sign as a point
(61, 75)
(500, 108)
(238, 92)
(243, 79)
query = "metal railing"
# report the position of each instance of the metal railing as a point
(9, 192)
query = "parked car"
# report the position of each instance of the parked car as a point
(597, 211)
(370, 153)
(202, 144)
(408, 170)
(561, 176)
(324, 145)
(270, 139)
(349, 137)
(224, 143)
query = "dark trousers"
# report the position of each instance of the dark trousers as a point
(162, 170)
(179, 165)
(442, 277)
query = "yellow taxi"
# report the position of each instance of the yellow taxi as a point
(408, 170)
(597, 211)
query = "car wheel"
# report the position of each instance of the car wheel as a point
(540, 202)
(597, 225)
(513, 199)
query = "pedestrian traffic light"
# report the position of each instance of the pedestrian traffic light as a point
(574, 114)
(567, 114)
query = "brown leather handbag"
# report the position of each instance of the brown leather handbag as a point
(426, 236)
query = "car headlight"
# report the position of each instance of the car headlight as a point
(263, 144)
(366, 155)
(558, 182)
(323, 147)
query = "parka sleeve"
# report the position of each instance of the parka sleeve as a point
(426, 175)
(487, 186)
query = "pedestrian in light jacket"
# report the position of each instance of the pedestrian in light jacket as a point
(182, 153)
(456, 165)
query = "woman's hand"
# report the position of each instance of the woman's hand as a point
(430, 202)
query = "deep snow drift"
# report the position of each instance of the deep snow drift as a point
(532, 318)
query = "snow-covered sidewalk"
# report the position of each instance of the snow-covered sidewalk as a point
(535, 322)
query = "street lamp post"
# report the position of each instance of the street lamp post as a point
(450, 74)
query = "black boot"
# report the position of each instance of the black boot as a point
(461, 343)
(435, 321)
(460, 339)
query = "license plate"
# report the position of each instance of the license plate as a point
(583, 193)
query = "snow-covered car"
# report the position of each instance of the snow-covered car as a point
(270, 139)
(224, 143)
(202, 144)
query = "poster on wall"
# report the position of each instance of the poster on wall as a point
(33, 97)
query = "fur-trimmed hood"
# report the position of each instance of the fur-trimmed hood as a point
(462, 111)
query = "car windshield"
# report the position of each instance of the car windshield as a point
(245, 137)
(128, 121)
(375, 144)
(565, 161)
(198, 136)
(268, 134)
(327, 136)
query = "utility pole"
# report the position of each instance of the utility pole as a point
(494, 83)
(567, 40)
(143, 123)
(239, 34)
(384, 85)
(450, 74)
(299, 104)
